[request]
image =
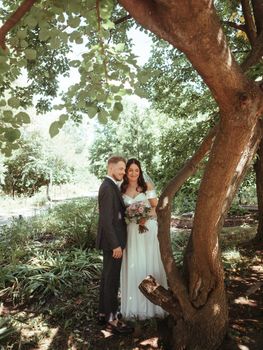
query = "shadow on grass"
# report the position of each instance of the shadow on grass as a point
(68, 321)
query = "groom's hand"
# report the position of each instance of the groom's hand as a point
(117, 253)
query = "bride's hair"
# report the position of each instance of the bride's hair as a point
(141, 182)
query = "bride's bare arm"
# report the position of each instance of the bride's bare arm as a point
(152, 201)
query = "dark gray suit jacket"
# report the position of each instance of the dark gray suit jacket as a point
(112, 230)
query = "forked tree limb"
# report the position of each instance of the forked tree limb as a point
(14, 19)
(176, 283)
(158, 295)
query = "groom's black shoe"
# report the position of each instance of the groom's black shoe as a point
(101, 320)
(119, 328)
(119, 315)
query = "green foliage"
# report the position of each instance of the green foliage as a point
(136, 135)
(179, 239)
(77, 222)
(73, 223)
(45, 255)
(236, 209)
(174, 87)
(49, 273)
(33, 166)
(6, 329)
(44, 44)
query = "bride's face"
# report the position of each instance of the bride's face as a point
(133, 173)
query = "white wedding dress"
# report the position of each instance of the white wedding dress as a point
(140, 259)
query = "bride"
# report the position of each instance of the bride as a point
(142, 255)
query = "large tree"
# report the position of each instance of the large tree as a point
(196, 301)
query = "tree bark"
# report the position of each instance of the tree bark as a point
(14, 19)
(258, 166)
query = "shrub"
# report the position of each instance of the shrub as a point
(77, 222)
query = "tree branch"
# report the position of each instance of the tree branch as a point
(14, 19)
(158, 295)
(249, 20)
(122, 19)
(255, 55)
(176, 283)
(235, 25)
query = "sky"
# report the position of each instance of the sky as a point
(142, 45)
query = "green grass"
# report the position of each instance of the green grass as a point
(49, 266)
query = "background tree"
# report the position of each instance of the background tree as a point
(135, 135)
(33, 166)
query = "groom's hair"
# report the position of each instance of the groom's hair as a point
(116, 159)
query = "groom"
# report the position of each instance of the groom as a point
(111, 238)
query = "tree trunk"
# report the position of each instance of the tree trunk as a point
(258, 166)
(194, 28)
(196, 300)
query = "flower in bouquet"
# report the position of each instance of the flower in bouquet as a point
(138, 213)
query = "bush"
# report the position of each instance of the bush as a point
(77, 222)
(72, 223)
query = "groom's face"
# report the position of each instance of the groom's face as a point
(117, 170)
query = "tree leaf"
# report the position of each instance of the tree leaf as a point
(54, 129)
(55, 43)
(102, 117)
(63, 118)
(120, 47)
(44, 34)
(4, 67)
(12, 134)
(74, 22)
(92, 111)
(118, 106)
(75, 63)
(8, 115)
(31, 21)
(13, 102)
(30, 54)
(108, 25)
(21, 34)
(23, 117)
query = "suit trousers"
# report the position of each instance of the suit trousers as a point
(109, 284)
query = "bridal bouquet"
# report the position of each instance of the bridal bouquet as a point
(138, 213)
